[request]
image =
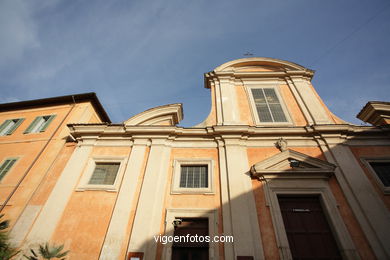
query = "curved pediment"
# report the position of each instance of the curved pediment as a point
(167, 115)
(259, 63)
(292, 164)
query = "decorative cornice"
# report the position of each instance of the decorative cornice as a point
(376, 113)
(231, 131)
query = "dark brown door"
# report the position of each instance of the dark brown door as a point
(308, 232)
(187, 250)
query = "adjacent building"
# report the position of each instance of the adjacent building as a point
(270, 166)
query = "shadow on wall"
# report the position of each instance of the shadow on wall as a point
(291, 202)
(300, 209)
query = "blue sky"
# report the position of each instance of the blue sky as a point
(140, 54)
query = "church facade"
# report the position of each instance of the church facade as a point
(270, 167)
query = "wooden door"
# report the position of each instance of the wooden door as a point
(308, 232)
(191, 250)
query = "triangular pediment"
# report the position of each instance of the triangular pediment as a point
(292, 163)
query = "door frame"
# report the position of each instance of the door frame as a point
(212, 217)
(315, 187)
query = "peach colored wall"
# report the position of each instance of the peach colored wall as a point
(292, 106)
(212, 117)
(87, 215)
(28, 146)
(244, 106)
(265, 222)
(45, 188)
(213, 113)
(288, 99)
(350, 221)
(372, 152)
(30, 115)
(193, 201)
(268, 238)
(84, 223)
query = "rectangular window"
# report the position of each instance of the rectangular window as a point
(104, 173)
(10, 125)
(382, 170)
(268, 105)
(39, 124)
(6, 166)
(193, 176)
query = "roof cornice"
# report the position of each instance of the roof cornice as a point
(60, 100)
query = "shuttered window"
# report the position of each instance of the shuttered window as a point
(10, 125)
(268, 106)
(104, 174)
(382, 170)
(6, 166)
(39, 124)
(194, 176)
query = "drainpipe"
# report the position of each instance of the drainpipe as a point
(37, 157)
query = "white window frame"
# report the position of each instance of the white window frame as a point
(211, 214)
(255, 115)
(90, 168)
(175, 187)
(366, 161)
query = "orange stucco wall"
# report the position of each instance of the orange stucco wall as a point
(202, 201)
(27, 148)
(265, 222)
(264, 216)
(292, 106)
(351, 222)
(244, 106)
(212, 117)
(289, 101)
(84, 223)
(38, 167)
(87, 215)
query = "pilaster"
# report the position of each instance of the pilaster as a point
(247, 239)
(51, 212)
(116, 233)
(150, 206)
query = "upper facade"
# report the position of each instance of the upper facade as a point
(264, 92)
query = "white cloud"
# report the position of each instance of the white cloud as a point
(17, 30)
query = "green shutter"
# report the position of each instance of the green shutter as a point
(47, 123)
(2, 167)
(32, 125)
(4, 125)
(6, 166)
(16, 125)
